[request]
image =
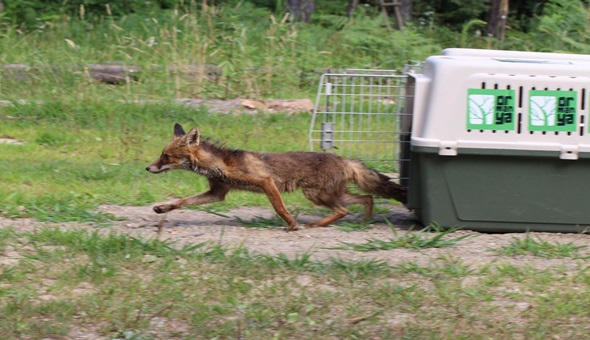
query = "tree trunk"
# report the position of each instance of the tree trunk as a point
(301, 10)
(497, 19)
(350, 7)
(406, 9)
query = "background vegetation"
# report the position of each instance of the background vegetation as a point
(251, 49)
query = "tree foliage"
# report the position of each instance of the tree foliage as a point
(546, 25)
(449, 13)
(32, 13)
(452, 13)
(565, 26)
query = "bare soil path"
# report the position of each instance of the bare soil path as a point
(192, 226)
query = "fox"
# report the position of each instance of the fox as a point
(322, 177)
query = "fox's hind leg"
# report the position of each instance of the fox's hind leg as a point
(339, 212)
(366, 200)
(337, 202)
(325, 199)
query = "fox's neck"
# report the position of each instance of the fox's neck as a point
(209, 159)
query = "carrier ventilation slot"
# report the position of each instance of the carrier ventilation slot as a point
(582, 109)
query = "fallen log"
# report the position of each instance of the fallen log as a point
(289, 106)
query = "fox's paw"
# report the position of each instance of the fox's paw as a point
(161, 209)
(293, 227)
(314, 224)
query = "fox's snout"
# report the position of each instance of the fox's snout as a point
(154, 169)
(163, 164)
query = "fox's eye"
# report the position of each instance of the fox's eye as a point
(165, 157)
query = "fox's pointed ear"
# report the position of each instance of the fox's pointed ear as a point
(178, 131)
(193, 138)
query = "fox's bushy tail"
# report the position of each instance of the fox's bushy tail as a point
(376, 183)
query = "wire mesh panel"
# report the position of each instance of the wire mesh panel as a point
(358, 114)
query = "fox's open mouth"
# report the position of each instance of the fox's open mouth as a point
(157, 171)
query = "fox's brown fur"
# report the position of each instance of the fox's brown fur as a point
(323, 177)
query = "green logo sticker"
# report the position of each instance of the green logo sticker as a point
(490, 109)
(552, 110)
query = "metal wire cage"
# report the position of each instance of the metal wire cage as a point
(359, 114)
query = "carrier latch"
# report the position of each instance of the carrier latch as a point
(569, 152)
(447, 148)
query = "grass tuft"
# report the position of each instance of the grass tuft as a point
(432, 236)
(299, 262)
(355, 226)
(262, 222)
(97, 245)
(534, 245)
(358, 269)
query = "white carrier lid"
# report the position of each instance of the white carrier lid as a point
(505, 100)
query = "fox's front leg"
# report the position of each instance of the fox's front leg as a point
(164, 208)
(274, 196)
(215, 194)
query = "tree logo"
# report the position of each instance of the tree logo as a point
(490, 109)
(552, 110)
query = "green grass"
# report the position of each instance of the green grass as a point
(63, 282)
(262, 222)
(70, 165)
(354, 226)
(431, 236)
(534, 245)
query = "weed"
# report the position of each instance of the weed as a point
(412, 267)
(402, 297)
(527, 273)
(299, 262)
(453, 267)
(411, 240)
(358, 269)
(534, 245)
(7, 236)
(51, 209)
(354, 226)
(98, 246)
(261, 222)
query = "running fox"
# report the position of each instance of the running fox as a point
(323, 177)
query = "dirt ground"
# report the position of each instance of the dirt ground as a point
(192, 226)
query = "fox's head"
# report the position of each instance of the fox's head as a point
(178, 153)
